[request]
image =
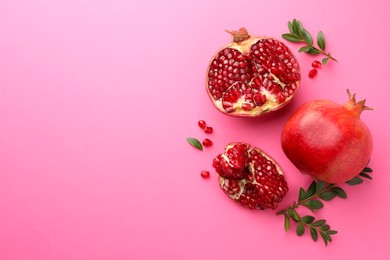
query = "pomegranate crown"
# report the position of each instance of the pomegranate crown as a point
(240, 35)
(356, 107)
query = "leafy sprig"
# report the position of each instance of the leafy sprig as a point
(312, 198)
(300, 35)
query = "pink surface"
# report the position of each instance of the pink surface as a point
(97, 98)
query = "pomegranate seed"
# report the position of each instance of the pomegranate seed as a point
(202, 124)
(208, 130)
(207, 142)
(205, 174)
(312, 73)
(316, 64)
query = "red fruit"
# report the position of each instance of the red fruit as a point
(202, 124)
(252, 75)
(328, 141)
(208, 130)
(205, 174)
(316, 64)
(250, 177)
(312, 73)
(207, 142)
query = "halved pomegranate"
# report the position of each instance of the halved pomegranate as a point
(250, 177)
(252, 75)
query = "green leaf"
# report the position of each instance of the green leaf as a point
(286, 223)
(327, 195)
(332, 232)
(365, 175)
(311, 190)
(304, 49)
(307, 219)
(301, 194)
(325, 228)
(319, 223)
(367, 169)
(314, 204)
(300, 229)
(295, 215)
(355, 181)
(195, 143)
(320, 185)
(290, 28)
(307, 37)
(314, 234)
(325, 238)
(321, 40)
(291, 37)
(313, 51)
(339, 192)
(324, 61)
(300, 30)
(295, 26)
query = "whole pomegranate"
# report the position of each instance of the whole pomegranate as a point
(250, 177)
(252, 75)
(328, 141)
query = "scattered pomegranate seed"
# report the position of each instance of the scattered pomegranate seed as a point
(202, 124)
(316, 64)
(312, 73)
(205, 174)
(208, 130)
(207, 142)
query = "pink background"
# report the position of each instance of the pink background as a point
(97, 98)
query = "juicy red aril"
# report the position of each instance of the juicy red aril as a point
(250, 177)
(205, 174)
(316, 64)
(312, 73)
(207, 142)
(202, 124)
(252, 75)
(208, 130)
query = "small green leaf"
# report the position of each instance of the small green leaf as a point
(355, 181)
(321, 40)
(301, 194)
(314, 234)
(300, 30)
(314, 204)
(339, 192)
(311, 190)
(367, 169)
(313, 51)
(295, 26)
(307, 37)
(365, 175)
(307, 219)
(325, 228)
(195, 143)
(295, 215)
(320, 185)
(319, 223)
(291, 37)
(300, 229)
(327, 195)
(290, 28)
(304, 49)
(286, 223)
(324, 61)
(332, 232)
(325, 238)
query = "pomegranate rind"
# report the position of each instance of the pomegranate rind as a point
(272, 103)
(328, 141)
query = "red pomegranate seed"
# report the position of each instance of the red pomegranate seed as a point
(316, 64)
(312, 73)
(205, 174)
(202, 124)
(208, 130)
(207, 142)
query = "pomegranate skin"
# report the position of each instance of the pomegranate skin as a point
(328, 141)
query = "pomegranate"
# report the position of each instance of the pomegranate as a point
(252, 75)
(328, 141)
(250, 177)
